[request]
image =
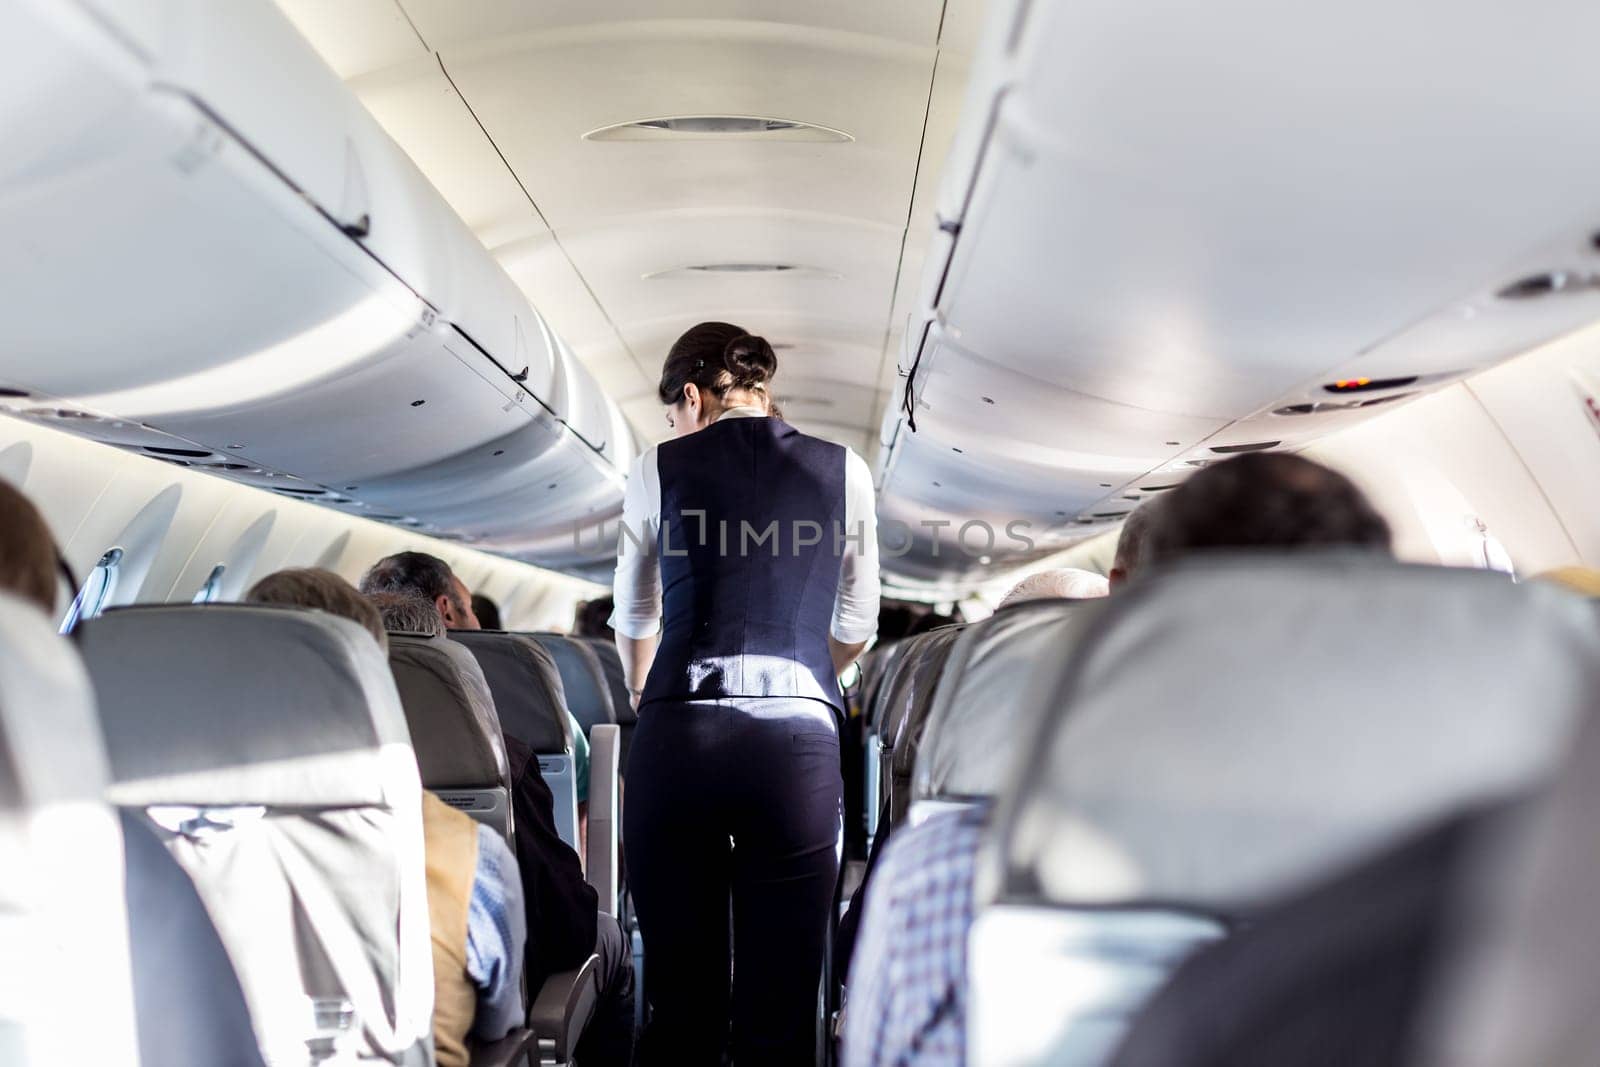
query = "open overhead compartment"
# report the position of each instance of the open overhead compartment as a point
(1169, 232)
(214, 252)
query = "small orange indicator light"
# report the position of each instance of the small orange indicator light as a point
(1352, 383)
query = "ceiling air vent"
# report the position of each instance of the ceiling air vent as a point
(1156, 488)
(1255, 446)
(1367, 385)
(716, 128)
(1548, 284)
(793, 270)
(187, 453)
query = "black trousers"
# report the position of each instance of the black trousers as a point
(608, 1039)
(734, 800)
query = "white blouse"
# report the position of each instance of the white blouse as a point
(637, 586)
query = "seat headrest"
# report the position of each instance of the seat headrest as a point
(51, 749)
(983, 715)
(875, 684)
(455, 731)
(897, 691)
(1238, 726)
(526, 687)
(582, 680)
(920, 679)
(235, 704)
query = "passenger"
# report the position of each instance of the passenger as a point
(29, 565)
(1263, 500)
(592, 619)
(734, 784)
(1129, 555)
(908, 988)
(487, 611)
(1065, 583)
(563, 910)
(895, 619)
(403, 613)
(188, 1007)
(475, 903)
(907, 979)
(417, 574)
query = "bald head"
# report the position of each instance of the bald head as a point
(1129, 556)
(1064, 583)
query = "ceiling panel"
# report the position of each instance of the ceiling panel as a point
(445, 22)
(356, 36)
(580, 224)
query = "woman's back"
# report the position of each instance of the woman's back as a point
(753, 530)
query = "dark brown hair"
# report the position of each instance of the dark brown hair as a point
(1263, 500)
(716, 357)
(313, 587)
(27, 551)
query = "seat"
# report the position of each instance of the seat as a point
(583, 680)
(981, 717)
(63, 923)
(528, 697)
(920, 678)
(627, 718)
(269, 746)
(1233, 730)
(455, 730)
(882, 701)
(1516, 985)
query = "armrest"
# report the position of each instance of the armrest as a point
(605, 751)
(503, 1053)
(562, 1009)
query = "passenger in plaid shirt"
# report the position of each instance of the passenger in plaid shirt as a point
(907, 1000)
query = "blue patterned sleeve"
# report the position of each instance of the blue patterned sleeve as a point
(496, 933)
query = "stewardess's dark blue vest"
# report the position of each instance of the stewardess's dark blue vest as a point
(751, 541)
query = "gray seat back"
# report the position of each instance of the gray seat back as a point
(605, 651)
(270, 746)
(875, 687)
(454, 729)
(63, 924)
(1517, 986)
(1236, 728)
(916, 686)
(982, 716)
(583, 680)
(531, 704)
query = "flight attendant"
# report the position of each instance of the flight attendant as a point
(760, 544)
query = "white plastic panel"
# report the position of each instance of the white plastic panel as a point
(276, 293)
(1174, 233)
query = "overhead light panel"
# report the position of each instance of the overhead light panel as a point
(716, 128)
(793, 270)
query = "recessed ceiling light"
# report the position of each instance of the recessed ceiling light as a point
(793, 270)
(716, 128)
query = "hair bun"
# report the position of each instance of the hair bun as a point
(751, 361)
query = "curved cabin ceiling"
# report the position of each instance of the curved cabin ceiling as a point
(494, 99)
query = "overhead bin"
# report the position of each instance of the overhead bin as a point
(1188, 236)
(213, 244)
